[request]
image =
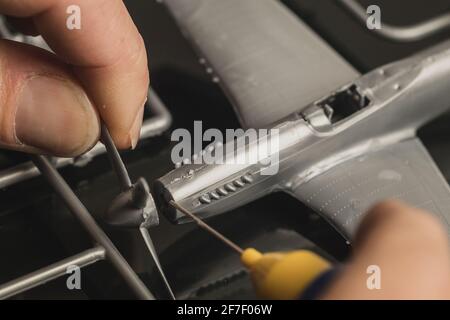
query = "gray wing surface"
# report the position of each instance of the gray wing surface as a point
(403, 171)
(268, 61)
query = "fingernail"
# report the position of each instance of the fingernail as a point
(135, 132)
(56, 116)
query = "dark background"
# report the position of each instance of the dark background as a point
(36, 229)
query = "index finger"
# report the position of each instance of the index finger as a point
(99, 39)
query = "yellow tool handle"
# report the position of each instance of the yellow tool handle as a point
(283, 276)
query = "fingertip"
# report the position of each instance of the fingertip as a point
(393, 224)
(130, 139)
(393, 211)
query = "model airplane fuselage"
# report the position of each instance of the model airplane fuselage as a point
(381, 108)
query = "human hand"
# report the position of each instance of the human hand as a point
(411, 249)
(50, 103)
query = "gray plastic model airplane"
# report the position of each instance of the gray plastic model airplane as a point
(346, 141)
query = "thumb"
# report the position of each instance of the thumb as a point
(43, 108)
(408, 247)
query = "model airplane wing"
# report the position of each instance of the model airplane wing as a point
(268, 62)
(403, 171)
